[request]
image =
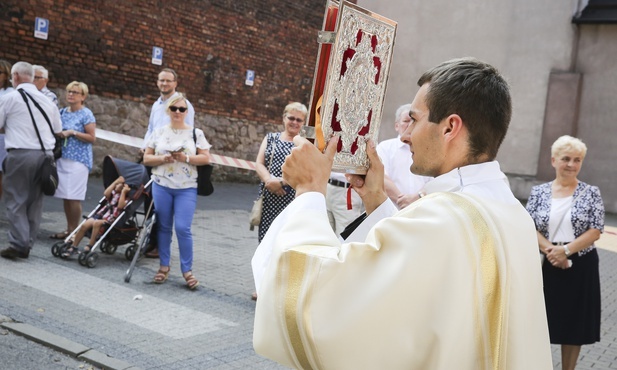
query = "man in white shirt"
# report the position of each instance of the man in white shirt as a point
(342, 202)
(402, 186)
(22, 179)
(167, 83)
(41, 78)
(452, 281)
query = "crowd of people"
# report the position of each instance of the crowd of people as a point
(371, 258)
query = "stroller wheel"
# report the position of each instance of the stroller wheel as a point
(92, 259)
(82, 258)
(56, 249)
(129, 253)
(111, 248)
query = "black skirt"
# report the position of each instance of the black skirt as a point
(572, 298)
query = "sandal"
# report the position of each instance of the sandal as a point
(61, 235)
(86, 249)
(70, 251)
(191, 280)
(161, 276)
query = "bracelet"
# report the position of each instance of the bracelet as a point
(567, 250)
(187, 158)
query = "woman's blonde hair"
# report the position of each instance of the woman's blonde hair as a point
(173, 100)
(295, 106)
(80, 85)
(568, 143)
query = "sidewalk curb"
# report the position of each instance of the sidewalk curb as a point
(64, 345)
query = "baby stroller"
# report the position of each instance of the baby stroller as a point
(125, 228)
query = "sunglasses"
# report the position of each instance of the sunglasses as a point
(173, 108)
(292, 118)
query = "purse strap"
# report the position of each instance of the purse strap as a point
(571, 205)
(273, 150)
(270, 136)
(25, 96)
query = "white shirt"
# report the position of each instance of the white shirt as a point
(50, 94)
(396, 159)
(17, 124)
(159, 117)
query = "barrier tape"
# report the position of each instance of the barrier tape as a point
(138, 143)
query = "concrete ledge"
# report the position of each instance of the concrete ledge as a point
(64, 345)
(103, 361)
(46, 338)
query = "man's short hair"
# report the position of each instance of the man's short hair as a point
(169, 70)
(43, 70)
(24, 70)
(478, 94)
(400, 110)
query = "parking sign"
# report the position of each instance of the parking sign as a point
(157, 55)
(41, 28)
(250, 77)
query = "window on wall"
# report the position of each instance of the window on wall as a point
(596, 12)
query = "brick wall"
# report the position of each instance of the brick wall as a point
(211, 44)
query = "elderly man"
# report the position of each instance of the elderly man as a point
(22, 179)
(41, 78)
(452, 281)
(402, 186)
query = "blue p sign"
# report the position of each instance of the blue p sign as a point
(157, 55)
(41, 28)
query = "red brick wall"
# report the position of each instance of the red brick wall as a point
(211, 44)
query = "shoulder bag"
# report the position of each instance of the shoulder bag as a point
(48, 171)
(204, 185)
(256, 211)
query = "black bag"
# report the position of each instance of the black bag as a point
(204, 185)
(58, 148)
(49, 176)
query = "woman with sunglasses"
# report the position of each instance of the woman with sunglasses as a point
(274, 148)
(78, 132)
(173, 153)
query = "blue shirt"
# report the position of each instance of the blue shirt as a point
(72, 147)
(159, 117)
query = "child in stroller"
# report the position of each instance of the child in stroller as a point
(116, 195)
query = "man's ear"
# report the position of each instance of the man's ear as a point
(453, 127)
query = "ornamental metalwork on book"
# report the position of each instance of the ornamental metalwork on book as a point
(358, 64)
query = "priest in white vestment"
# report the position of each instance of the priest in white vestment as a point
(452, 281)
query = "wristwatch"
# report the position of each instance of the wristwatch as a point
(567, 250)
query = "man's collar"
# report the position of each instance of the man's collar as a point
(162, 99)
(460, 177)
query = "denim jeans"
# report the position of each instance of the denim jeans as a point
(175, 207)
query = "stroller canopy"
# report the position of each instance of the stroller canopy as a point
(134, 174)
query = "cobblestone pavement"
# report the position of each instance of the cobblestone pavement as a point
(167, 326)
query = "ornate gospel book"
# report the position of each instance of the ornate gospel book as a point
(350, 81)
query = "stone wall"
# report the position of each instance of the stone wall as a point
(229, 136)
